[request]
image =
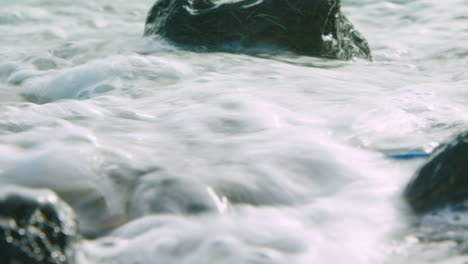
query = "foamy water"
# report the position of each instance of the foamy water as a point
(171, 156)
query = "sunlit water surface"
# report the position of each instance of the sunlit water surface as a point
(172, 156)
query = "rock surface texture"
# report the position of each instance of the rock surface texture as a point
(35, 227)
(307, 27)
(443, 180)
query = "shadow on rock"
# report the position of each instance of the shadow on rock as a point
(307, 27)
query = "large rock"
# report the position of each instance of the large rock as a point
(309, 27)
(36, 227)
(443, 180)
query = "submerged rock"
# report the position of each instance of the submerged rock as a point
(443, 180)
(156, 194)
(308, 27)
(35, 227)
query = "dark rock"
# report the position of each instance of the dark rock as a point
(308, 27)
(443, 180)
(35, 227)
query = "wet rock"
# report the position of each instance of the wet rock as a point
(166, 194)
(308, 27)
(36, 227)
(443, 180)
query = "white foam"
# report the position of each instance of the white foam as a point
(228, 158)
(71, 174)
(94, 78)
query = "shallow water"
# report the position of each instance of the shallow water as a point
(172, 156)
